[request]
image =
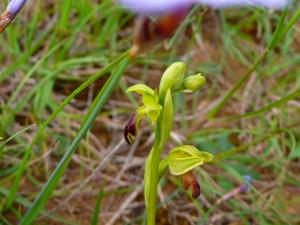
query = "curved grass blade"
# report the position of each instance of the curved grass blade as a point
(94, 110)
(280, 30)
(95, 218)
(266, 108)
(28, 150)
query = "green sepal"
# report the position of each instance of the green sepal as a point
(148, 94)
(185, 158)
(151, 111)
(141, 89)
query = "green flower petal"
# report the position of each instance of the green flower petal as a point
(149, 95)
(151, 111)
(141, 89)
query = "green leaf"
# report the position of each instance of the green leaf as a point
(167, 118)
(163, 167)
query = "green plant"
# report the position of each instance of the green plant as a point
(158, 107)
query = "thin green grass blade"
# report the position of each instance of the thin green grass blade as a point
(26, 203)
(65, 14)
(291, 23)
(28, 150)
(31, 72)
(94, 110)
(266, 108)
(275, 39)
(95, 218)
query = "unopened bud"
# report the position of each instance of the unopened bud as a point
(171, 79)
(193, 83)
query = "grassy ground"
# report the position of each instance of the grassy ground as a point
(53, 47)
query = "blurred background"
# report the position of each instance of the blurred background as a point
(54, 46)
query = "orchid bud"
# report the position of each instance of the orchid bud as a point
(193, 83)
(185, 158)
(189, 181)
(171, 79)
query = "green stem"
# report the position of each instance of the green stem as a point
(154, 164)
(154, 157)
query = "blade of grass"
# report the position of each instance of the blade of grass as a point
(290, 24)
(95, 218)
(266, 108)
(31, 72)
(28, 150)
(65, 14)
(26, 203)
(274, 41)
(94, 110)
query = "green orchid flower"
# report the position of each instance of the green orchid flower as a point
(150, 108)
(181, 161)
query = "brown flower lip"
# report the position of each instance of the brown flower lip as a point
(130, 129)
(189, 181)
